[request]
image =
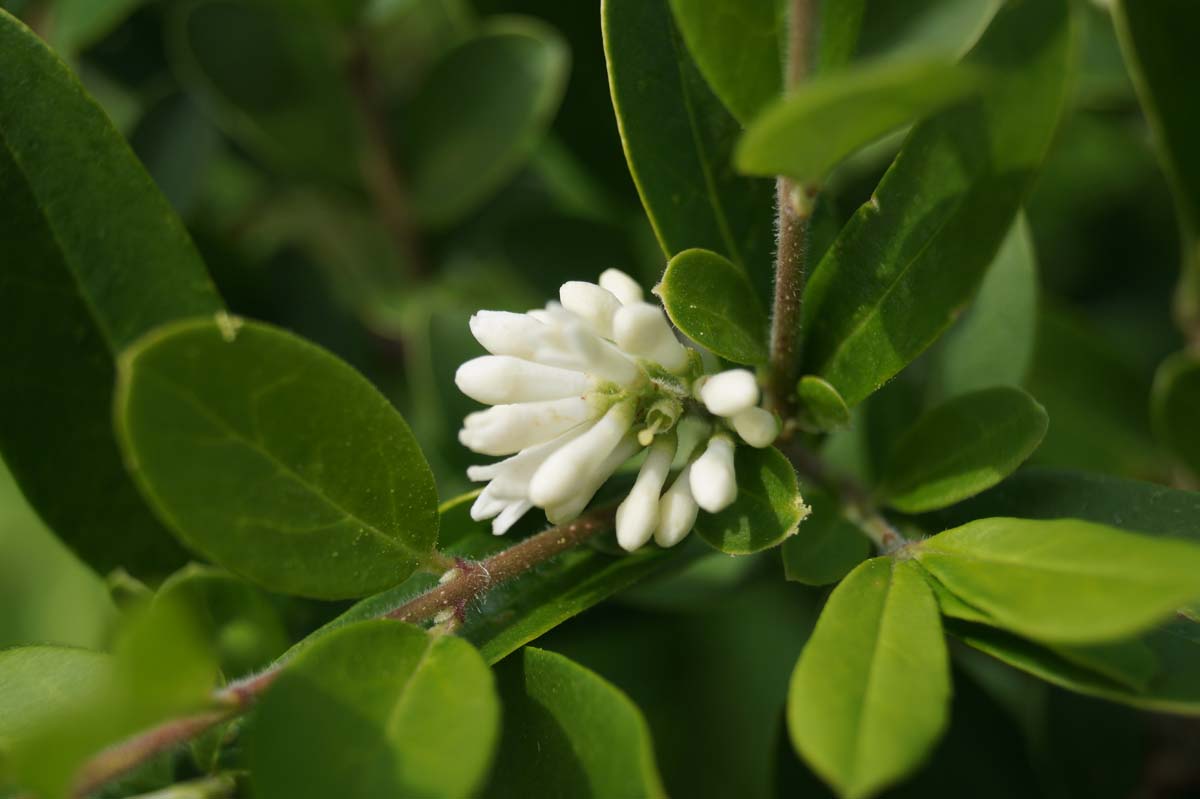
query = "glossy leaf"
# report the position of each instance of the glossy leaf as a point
(870, 694)
(837, 36)
(961, 447)
(376, 709)
(93, 257)
(569, 732)
(1064, 581)
(479, 115)
(767, 510)
(827, 546)
(713, 303)
(1175, 405)
(809, 132)
(821, 406)
(735, 43)
(911, 256)
(274, 458)
(678, 142)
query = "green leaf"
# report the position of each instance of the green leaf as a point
(871, 692)
(38, 682)
(824, 120)
(274, 458)
(1173, 406)
(1064, 581)
(568, 732)
(480, 114)
(961, 447)
(77, 24)
(827, 548)
(376, 709)
(735, 43)
(93, 258)
(713, 303)
(913, 255)
(993, 344)
(767, 510)
(837, 34)
(821, 406)
(678, 142)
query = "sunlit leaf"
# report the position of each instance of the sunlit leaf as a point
(712, 302)
(767, 510)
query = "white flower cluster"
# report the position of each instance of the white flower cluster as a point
(580, 387)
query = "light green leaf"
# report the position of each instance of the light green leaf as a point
(480, 114)
(870, 695)
(735, 43)
(274, 458)
(827, 546)
(912, 256)
(713, 303)
(37, 683)
(1175, 404)
(376, 709)
(961, 447)
(568, 732)
(822, 408)
(767, 510)
(93, 257)
(1064, 581)
(837, 35)
(678, 142)
(809, 132)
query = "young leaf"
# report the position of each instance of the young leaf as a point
(870, 695)
(274, 458)
(809, 132)
(39, 682)
(822, 407)
(767, 510)
(711, 301)
(678, 142)
(93, 257)
(1064, 581)
(736, 45)
(479, 115)
(913, 255)
(827, 547)
(837, 35)
(376, 709)
(1174, 404)
(962, 447)
(569, 732)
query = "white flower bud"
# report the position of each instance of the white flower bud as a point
(504, 333)
(510, 516)
(637, 516)
(621, 285)
(758, 427)
(730, 392)
(499, 379)
(677, 511)
(574, 465)
(487, 505)
(713, 481)
(505, 429)
(510, 477)
(599, 357)
(571, 508)
(591, 303)
(643, 329)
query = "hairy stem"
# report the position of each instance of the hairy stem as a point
(465, 584)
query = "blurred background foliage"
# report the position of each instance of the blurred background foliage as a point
(367, 173)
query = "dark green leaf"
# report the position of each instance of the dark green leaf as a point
(568, 732)
(93, 258)
(809, 132)
(713, 303)
(376, 709)
(76, 24)
(961, 447)
(837, 34)
(274, 458)
(1175, 407)
(767, 510)
(735, 43)
(1064, 581)
(827, 546)
(821, 406)
(914, 253)
(870, 695)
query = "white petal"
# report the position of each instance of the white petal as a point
(637, 516)
(499, 379)
(758, 427)
(486, 505)
(504, 333)
(591, 303)
(621, 285)
(575, 464)
(505, 429)
(510, 477)
(510, 516)
(572, 507)
(677, 511)
(643, 329)
(727, 393)
(600, 357)
(713, 482)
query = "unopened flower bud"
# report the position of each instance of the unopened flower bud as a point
(575, 464)
(677, 511)
(500, 379)
(504, 333)
(642, 329)
(572, 507)
(637, 516)
(505, 429)
(713, 481)
(730, 392)
(621, 285)
(757, 426)
(594, 305)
